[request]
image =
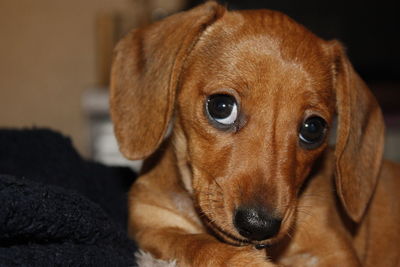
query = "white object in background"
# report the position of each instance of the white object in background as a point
(106, 148)
(103, 144)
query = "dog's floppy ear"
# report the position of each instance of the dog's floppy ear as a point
(360, 138)
(145, 74)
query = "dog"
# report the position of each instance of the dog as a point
(231, 110)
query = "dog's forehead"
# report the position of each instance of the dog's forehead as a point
(267, 29)
(261, 47)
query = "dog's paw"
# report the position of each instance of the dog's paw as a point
(236, 257)
(145, 259)
(302, 260)
(250, 257)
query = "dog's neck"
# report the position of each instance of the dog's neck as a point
(179, 141)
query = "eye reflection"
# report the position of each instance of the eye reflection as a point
(222, 108)
(312, 132)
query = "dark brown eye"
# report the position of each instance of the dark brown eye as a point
(222, 109)
(312, 132)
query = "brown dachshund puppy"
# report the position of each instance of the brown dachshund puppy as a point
(245, 176)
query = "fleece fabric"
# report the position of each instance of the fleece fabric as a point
(58, 209)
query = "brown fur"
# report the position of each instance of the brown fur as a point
(340, 207)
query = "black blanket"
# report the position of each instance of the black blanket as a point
(57, 209)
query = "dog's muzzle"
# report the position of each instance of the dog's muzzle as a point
(255, 223)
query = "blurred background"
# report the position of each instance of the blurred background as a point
(55, 58)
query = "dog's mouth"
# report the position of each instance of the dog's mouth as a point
(224, 235)
(235, 240)
(233, 237)
(243, 225)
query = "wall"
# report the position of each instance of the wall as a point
(47, 60)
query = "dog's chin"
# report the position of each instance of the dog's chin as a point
(236, 240)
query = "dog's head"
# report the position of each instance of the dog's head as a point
(252, 96)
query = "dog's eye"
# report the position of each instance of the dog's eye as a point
(312, 132)
(222, 109)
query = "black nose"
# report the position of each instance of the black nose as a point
(256, 223)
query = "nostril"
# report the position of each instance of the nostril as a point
(256, 223)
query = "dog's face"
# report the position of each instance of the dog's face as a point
(253, 95)
(255, 106)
